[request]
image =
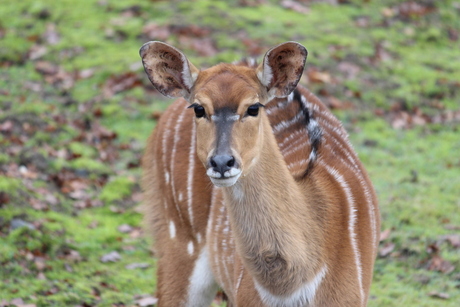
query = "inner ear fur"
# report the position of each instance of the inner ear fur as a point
(168, 69)
(282, 68)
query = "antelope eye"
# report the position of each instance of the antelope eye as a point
(254, 109)
(199, 111)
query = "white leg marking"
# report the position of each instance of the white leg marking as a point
(351, 222)
(190, 248)
(202, 286)
(172, 230)
(303, 296)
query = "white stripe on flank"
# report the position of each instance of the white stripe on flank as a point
(173, 157)
(304, 296)
(370, 204)
(295, 149)
(190, 248)
(286, 124)
(220, 257)
(225, 246)
(191, 169)
(294, 136)
(238, 283)
(351, 222)
(211, 229)
(166, 138)
(298, 163)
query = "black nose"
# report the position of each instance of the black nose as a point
(222, 163)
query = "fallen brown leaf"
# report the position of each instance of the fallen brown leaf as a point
(111, 257)
(147, 301)
(385, 234)
(125, 228)
(295, 6)
(440, 295)
(436, 263)
(386, 249)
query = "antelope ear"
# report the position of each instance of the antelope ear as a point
(168, 69)
(282, 68)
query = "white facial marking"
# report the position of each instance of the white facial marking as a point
(198, 238)
(233, 118)
(304, 296)
(213, 174)
(172, 230)
(202, 285)
(190, 248)
(232, 172)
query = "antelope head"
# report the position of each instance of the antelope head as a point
(228, 102)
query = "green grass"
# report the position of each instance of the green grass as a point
(80, 139)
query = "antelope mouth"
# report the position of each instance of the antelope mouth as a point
(229, 178)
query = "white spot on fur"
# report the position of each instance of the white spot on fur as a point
(202, 285)
(198, 238)
(190, 248)
(172, 230)
(303, 296)
(167, 177)
(180, 197)
(312, 156)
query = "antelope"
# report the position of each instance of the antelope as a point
(251, 186)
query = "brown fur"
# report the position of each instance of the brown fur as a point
(287, 226)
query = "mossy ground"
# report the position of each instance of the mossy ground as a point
(76, 110)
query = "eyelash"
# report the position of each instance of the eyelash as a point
(199, 110)
(253, 110)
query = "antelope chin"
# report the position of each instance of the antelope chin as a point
(224, 182)
(230, 179)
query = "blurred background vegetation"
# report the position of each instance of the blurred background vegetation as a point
(76, 109)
